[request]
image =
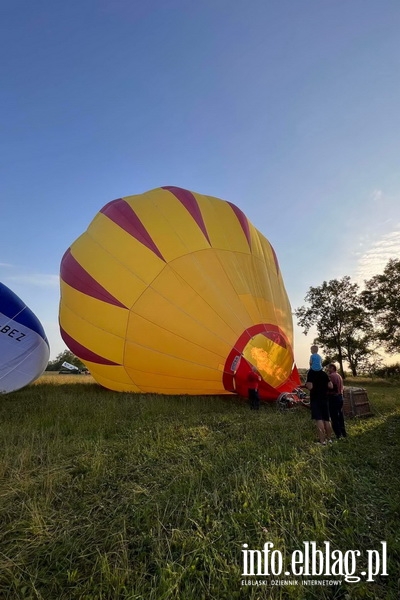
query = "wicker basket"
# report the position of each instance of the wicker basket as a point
(355, 402)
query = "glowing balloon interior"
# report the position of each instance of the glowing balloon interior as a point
(24, 349)
(177, 293)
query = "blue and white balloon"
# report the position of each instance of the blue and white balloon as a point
(24, 349)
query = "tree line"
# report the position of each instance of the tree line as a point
(353, 324)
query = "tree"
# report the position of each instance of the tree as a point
(343, 324)
(359, 351)
(371, 365)
(66, 356)
(382, 298)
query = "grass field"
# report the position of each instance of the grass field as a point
(114, 496)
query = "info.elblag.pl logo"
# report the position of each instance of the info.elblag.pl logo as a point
(310, 561)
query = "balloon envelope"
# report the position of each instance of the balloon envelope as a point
(177, 293)
(24, 349)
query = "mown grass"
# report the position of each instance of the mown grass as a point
(142, 497)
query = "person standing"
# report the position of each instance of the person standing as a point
(319, 383)
(335, 400)
(253, 381)
(315, 359)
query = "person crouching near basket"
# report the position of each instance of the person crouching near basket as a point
(253, 381)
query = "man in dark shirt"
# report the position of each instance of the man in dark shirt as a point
(319, 383)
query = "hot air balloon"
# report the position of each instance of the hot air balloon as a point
(175, 292)
(24, 349)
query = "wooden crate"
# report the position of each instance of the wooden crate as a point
(355, 402)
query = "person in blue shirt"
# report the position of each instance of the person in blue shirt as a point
(315, 359)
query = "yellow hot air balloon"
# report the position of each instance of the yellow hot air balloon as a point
(175, 292)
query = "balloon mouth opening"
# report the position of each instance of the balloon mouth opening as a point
(265, 347)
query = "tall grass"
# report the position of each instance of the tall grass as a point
(143, 497)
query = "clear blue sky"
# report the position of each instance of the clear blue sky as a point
(288, 108)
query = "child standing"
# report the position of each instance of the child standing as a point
(315, 359)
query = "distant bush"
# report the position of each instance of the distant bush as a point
(388, 371)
